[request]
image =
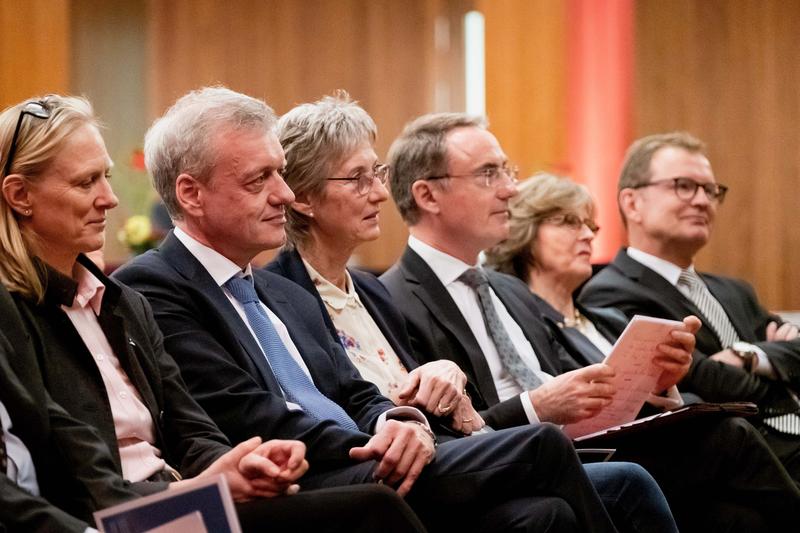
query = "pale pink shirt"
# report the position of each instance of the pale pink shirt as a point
(132, 421)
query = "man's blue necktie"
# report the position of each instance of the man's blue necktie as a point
(296, 385)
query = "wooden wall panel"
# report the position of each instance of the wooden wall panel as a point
(34, 49)
(728, 71)
(108, 67)
(288, 52)
(526, 80)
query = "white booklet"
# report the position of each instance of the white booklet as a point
(202, 505)
(636, 375)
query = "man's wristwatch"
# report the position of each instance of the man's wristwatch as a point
(747, 353)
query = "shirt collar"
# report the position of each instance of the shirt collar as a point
(446, 267)
(78, 291)
(330, 293)
(218, 266)
(669, 271)
(90, 289)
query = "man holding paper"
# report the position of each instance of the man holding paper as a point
(668, 196)
(452, 184)
(456, 204)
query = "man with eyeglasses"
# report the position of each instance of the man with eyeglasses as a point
(254, 351)
(668, 198)
(452, 182)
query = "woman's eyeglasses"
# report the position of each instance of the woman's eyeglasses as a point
(364, 180)
(36, 109)
(572, 221)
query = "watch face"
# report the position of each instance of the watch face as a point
(746, 352)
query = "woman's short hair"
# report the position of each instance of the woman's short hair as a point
(317, 138)
(540, 196)
(182, 140)
(38, 143)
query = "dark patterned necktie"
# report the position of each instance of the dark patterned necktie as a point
(476, 279)
(297, 386)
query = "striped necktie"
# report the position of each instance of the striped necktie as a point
(717, 318)
(476, 279)
(710, 308)
(295, 383)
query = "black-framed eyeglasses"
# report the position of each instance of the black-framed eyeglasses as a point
(490, 176)
(36, 109)
(364, 180)
(686, 188)
(572, 221)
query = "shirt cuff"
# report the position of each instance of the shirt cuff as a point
(670, 400)
(402, 413)
(527, 406)
(763, 366)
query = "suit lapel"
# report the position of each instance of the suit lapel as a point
(662, 291)
(324, 379)
(433, 295)
(176, 254)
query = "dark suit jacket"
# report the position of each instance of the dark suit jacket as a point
(187, 438)
(227, 371)
(373, 295)
(635, 289)
(438, 331)
(74, 468)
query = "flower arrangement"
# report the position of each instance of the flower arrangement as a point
(137, 234)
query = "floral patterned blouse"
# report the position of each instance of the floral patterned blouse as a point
(361, 337)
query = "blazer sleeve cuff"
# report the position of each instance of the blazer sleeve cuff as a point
(402, 413)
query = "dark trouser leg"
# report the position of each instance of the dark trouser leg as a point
(527, 515)
(358, 508)
(477, 475)
(712, 470)
(786, 447)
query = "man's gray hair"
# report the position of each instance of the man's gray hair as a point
(182, 141)
(421, 152)
(316, 139)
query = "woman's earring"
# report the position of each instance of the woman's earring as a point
(28, 212)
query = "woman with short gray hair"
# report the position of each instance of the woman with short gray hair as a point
(339, 186)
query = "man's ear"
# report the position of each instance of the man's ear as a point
(426, 196)
(17, 194)
(189, 194)
(630, 205)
